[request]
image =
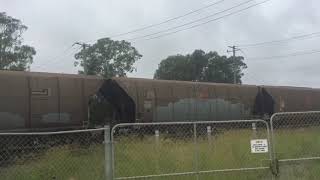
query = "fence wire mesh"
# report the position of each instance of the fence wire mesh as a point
(296, 134)
(296, 144)
(72, 155)
(201, 150)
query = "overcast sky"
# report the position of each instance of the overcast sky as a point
(54, 25)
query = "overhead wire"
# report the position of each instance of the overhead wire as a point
(301, 37)
(252, 77)
(209, 21)
(168, 20)
(190, 22)
(153, 25)
(57, 59)
(302, 53)
(247, 73)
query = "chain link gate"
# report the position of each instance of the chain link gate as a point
(70, 155)
(192, 150)
(296, 144)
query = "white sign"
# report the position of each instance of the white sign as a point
(259, 146)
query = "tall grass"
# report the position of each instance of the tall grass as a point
(230, 150)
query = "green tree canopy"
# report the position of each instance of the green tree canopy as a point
(107, 58)
(13, 55)
(201, 66)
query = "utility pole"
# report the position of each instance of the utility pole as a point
(83, 46)
(234, 49)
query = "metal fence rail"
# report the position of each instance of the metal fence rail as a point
(190, 150)
(53, 155)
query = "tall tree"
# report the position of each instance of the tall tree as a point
(174, 67)
(201, 66)
(223, 69)
(13, 55)
(197, 61)
(107, 58)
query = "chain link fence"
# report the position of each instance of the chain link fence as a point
(70, 155)
(296, 144)
(199, 150)
(240, 149)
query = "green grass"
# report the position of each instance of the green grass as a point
(70, 163)
(136, 156)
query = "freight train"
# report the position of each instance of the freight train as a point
(32, 101)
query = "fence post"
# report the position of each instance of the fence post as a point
(196, 150)
(254, 130)
(274, 161)
(209, 132)
(157, 151)
(156, 135)
(108, 153)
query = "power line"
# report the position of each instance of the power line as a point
(168, 20)
(191, 22)
(245, 54)
(301, 37)
(302, 53)
(65, 51)
(247, 72)
(206, 22)
(60, 54)
(252, 77)
(163, 22)
(57, 59)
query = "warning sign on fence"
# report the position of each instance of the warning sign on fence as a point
(259, 146)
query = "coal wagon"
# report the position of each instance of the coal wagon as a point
(32, 101)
